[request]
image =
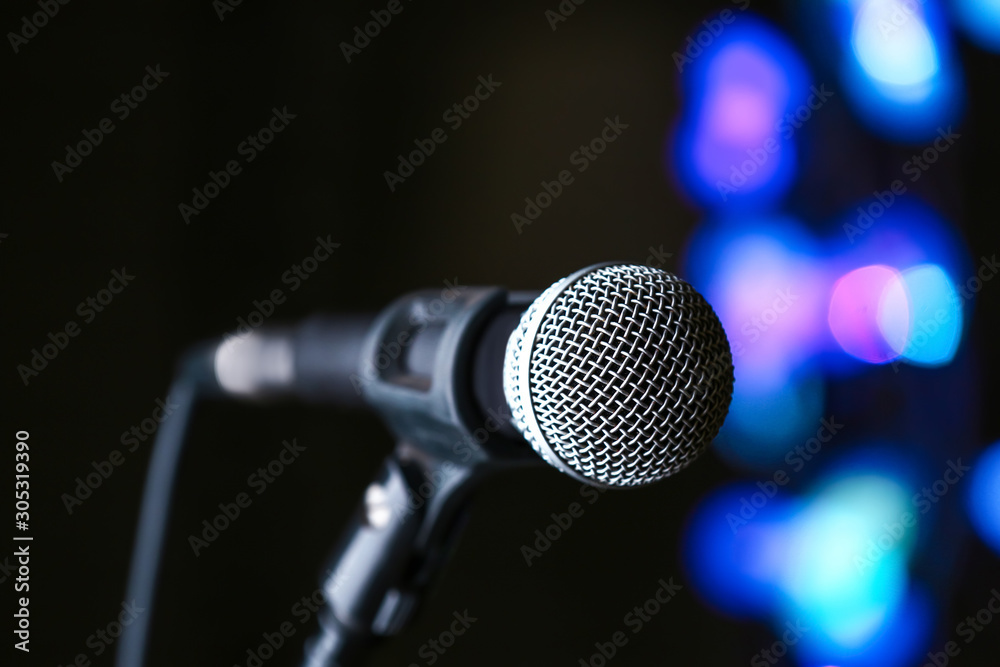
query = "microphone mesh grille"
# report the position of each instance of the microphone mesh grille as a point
(630, 375)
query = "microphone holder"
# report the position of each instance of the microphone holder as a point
(416, 370)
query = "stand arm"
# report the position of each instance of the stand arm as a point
(399, 537)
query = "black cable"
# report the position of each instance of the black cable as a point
(190, 384)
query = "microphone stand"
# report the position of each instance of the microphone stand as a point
(405, 526)
(400, 536)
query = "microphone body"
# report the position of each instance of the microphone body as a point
(618, 375)
(431, 363)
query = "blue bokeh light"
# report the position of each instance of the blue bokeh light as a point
(898, 643)
(734, 144)
(983, 499)
(837, 575)
(767, 281)
(898, 66)
(835, 561)
(901, 234)
(934, 328)
(895, 48)
(895, 294)
(765, 423)
(722, 554)
(981, 21)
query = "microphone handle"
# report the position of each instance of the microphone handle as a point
(328, 352)
(335, 358)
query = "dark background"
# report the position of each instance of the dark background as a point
(324, 176)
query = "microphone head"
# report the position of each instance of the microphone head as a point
(619, 375)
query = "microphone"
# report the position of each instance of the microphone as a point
(618, 375)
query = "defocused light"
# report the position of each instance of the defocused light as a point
(858, 300)
(745, 94)
(935, 327)
(894, 45)
(981, 20)
(765, 423)
(983, 500)
(733, 145)
(841, 572)
(903, 234)
(723, 552)
(898, 66)
(896, 296)
(763, 279)
(769, 285)
(899, 643)
(836, 562)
